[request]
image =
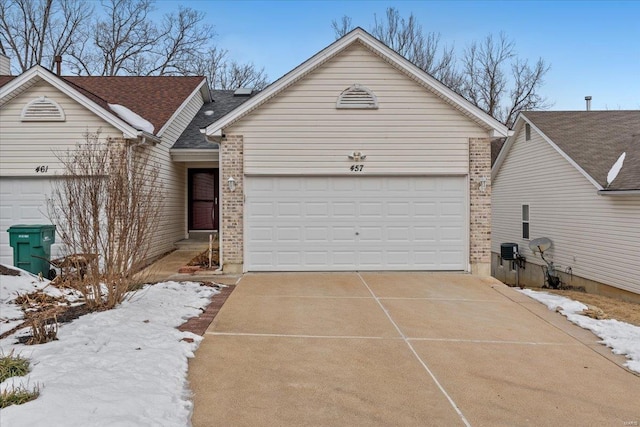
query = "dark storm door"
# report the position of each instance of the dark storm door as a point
(203, 199)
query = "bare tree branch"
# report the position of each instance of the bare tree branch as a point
(342, 27)
(35, 31)
(408, 39)
(489, 73)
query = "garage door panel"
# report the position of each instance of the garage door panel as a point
(317, 209)
(23, 202)
(342, 234)
(355, 223)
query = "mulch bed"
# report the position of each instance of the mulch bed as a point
(198, 325)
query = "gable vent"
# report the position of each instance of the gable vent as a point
(358, 97)
(42, 109)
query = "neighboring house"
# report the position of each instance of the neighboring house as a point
(42, 113)
(355, 160)
(551, 180)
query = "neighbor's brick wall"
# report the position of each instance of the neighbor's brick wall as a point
(480, 224)
(232, 165)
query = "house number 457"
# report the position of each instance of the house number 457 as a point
(356, 168)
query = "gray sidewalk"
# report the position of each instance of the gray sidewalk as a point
(402, 349)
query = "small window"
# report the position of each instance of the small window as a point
(525, 222)
(527, 132)
(42, 109)
(357, 97)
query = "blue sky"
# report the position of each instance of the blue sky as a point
(593, 47)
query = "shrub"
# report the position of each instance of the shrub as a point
(107, 208)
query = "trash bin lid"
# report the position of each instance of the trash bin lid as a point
(30, 228)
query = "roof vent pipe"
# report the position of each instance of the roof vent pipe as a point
(58, 61)
(588, 99)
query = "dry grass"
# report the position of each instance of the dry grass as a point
(18, 395)
(613, 308)
(15, 366)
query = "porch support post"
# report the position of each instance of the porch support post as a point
(232, 220)
(480, 210)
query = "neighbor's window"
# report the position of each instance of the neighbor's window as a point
(527, 132)
(525, 221)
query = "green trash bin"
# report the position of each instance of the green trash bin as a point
(32, 247)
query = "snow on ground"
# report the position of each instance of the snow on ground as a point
(622, 338)
(11, 286)
(124, 367)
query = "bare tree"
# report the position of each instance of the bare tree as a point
(127, 41)
(106, 207)
(342, 27)
(500, 83)
(35, 31)
(407, 37)
(490, 74)
(227, 75)
(122, 40)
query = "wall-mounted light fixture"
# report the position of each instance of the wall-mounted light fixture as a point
(483, 184)
(356, 156)
(231, 183)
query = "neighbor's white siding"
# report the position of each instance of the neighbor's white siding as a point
(173, 222)
(597, 236)
(301, 131)
(27, 145)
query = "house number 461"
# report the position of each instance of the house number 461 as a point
(42, 169)
(356, 168)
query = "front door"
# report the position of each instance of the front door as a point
(203, 199)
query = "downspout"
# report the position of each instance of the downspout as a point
(203, 131)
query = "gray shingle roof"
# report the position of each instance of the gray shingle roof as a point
(496, 146)
(224, 102)
(595, 140)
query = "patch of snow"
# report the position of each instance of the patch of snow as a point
(615, 169)
(125, 366)
(132, 118)
(11, 314)
(620, 337)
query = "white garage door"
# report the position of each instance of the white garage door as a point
(22, 201)
(355, 223)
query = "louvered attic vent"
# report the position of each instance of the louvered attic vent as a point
(42, 109)
(358, 97)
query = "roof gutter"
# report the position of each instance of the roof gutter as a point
(619, 192)
(146, 137)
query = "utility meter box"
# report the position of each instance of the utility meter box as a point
(32, 247)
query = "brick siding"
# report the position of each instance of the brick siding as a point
(232, 165)
(480, 224)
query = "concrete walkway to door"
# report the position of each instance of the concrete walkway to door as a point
(401, 349)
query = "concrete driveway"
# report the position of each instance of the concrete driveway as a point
(401, 349)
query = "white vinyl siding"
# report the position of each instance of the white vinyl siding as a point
(597, 236)
(300, 131)
(173, 220)
(27, 145)
(356, 223)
